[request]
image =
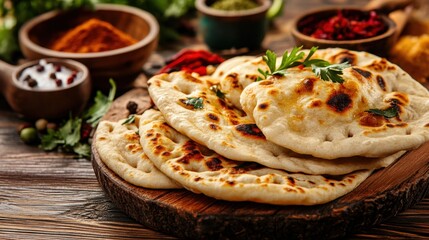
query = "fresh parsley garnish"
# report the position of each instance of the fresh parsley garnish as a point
(387, 113)
(66, 138)
(323, 69)
(197, 103)
(73, 134)
(101, 105)
(130, 119)
(219, 93)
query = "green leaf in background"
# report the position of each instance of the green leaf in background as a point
(101, 105)
(68, 137)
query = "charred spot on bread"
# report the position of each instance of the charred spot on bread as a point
(250, 130)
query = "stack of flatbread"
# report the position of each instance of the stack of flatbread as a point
(286, 140)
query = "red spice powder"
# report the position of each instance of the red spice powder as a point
(92, 36)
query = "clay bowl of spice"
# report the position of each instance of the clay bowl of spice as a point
(46, 88)
(233, 24)
(113, 41)
(350, 28)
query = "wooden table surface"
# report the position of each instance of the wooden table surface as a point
(56, 196)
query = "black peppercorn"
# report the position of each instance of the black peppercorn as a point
(40, 68)
(132, 107)
(28, 77)
(32, 83)
(53, 76)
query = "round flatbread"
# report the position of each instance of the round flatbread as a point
(331, 120)
(236, 73)
(229, 132)
(119, 148)
(203, 171)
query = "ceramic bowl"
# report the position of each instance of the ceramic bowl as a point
(123, 64)
(49, 104)
(221, 29)
(379, 45)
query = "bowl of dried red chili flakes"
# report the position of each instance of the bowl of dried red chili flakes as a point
(352, 29)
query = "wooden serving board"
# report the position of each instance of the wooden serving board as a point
(194, 216)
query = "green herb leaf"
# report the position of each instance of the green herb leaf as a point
(82, 149)
(387, 113)
(197, 103)
(130, 119)
(329, 72)
(219, 93)
(323, 69)
(101, 105)
(68, 138)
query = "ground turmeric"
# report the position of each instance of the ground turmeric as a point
(93, 35)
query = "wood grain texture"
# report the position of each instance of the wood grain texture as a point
(182, 213)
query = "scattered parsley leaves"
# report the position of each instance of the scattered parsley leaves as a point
(387, 113)
(68, 137)
(219, 93)
(101, 105)
(131, 118)
(197, 103)
(323, 69)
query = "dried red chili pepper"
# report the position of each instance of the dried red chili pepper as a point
(191, 61)
(345, 25)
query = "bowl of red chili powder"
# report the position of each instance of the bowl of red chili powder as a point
(113, 41)
(345, 28)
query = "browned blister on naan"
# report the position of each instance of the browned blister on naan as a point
(203, 171)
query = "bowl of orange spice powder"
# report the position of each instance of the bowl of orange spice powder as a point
(113, 41)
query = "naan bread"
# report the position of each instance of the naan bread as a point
(303, 113)
(120, 149)
(203, 171)
(236, 73)
(230, 133)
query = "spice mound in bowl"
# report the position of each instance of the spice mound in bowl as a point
(93, 35)
(113, 41)
(48, 88)
(345, 28)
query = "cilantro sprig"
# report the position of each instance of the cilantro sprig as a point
(196, 102)
(387, 113)
(73, 134)
(322, 68)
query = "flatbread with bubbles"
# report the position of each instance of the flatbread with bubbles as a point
(331, 119)
(119, 148)
(203, 171)
(231, 133)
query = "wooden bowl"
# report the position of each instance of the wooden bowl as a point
(123, 64)
(378, 45)
(49, 104)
